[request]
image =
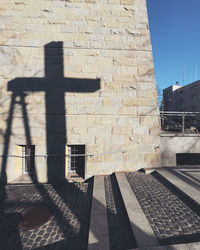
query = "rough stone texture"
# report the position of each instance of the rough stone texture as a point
(66, 229)
(105, 40)
(172, 221)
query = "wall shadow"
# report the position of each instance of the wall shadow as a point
(189, 174)
(183, 177)
(8, 226)
(54, 86)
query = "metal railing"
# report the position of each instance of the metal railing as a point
(180, 122)
(68, 155)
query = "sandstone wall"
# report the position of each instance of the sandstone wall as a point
(107, 40)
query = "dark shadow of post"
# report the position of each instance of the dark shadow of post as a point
(55, 86)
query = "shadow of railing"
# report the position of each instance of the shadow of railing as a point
(54, 85)
(183, 177)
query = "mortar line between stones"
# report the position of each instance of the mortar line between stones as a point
(89, 115)
(77, 48)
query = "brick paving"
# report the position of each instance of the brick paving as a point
(172, 221)
(67, 228)
(120, 232)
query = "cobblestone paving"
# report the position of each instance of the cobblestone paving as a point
(120, 233)
(172, 220)
(67, 228)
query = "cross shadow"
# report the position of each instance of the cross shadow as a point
(54, 86)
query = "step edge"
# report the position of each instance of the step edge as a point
(140, 223)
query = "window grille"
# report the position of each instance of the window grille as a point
(28, 155)
(76, 164)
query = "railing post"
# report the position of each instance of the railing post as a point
(183, 123)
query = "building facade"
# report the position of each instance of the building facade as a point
(182, 98)
(77, 89)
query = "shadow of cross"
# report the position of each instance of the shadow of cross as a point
(54, 85)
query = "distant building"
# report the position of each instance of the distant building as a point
(182, 98)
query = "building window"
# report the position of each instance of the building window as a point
(28, 159)
(76, 160)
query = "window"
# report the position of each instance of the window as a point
(28, 159)
(76, 164)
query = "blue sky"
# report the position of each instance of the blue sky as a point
(175, 37)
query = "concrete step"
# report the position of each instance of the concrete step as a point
(107, 208)
(23, 179)
(99, 222)
(74, 178)
(175, 177)
(147, 170)
(189, 246)
(98, 231)
(140, 226)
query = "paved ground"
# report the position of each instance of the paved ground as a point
(172, 220)
(120, 233)
(67, 228)
(185, 178)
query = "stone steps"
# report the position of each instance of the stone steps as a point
(178, 179)
(140, 226)
(99, 235)
(105, 211)
(125, 209)
(98, 232)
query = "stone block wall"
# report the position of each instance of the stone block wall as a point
(100, 41)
